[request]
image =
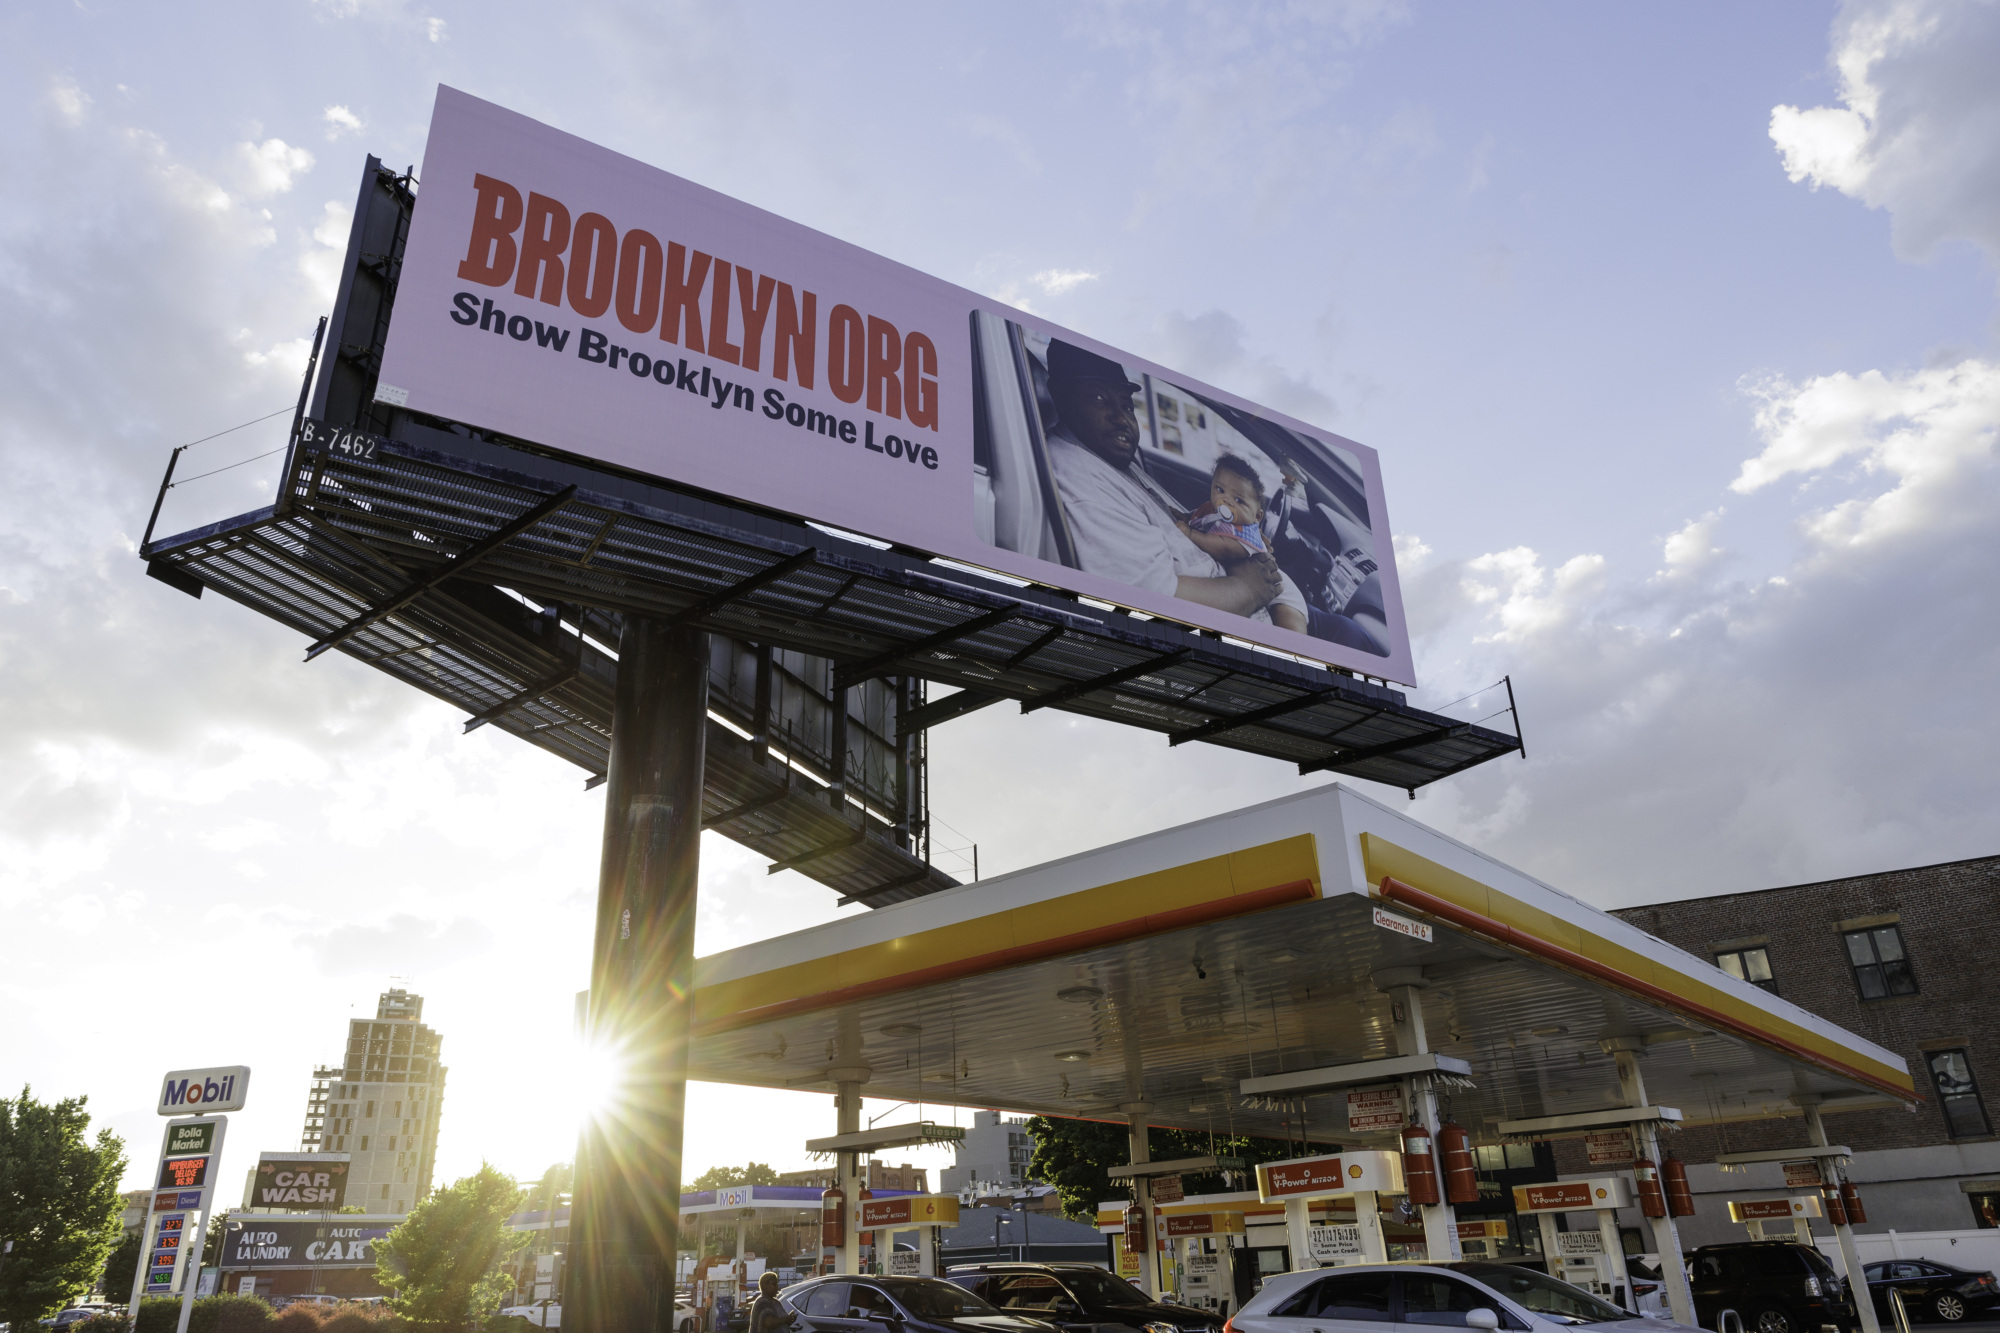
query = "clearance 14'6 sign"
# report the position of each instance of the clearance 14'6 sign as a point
(567, 295)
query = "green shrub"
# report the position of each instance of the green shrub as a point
(229, 1313)
(300, 1318)
(100, 1323)
(159, 1314)
(363, 1319)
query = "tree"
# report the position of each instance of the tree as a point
(59, 1204)
(548, 1192)
(448, 1260)
(121, 1267)
(1073, 1155)
(722, 1177)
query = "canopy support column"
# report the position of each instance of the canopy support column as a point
(1406, 998)
(1666, 1237)
(848, 1102)
(1140, 1152)
(626, 1218)
(1298, 1233)
(1850, 1257)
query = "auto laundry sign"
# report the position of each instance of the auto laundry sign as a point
(270, 1243)
(300, 1181)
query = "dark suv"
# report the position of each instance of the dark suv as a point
(1774, 1286)
(1079, 1298)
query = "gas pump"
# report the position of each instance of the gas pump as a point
(1594, 1259)
(1202, 1249)
(1580, 1260)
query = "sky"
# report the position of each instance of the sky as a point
(1674, 326)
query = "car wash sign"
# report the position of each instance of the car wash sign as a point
(300, 1181)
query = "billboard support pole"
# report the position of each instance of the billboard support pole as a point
(626, 1202)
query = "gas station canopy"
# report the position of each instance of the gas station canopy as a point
(1152, 978)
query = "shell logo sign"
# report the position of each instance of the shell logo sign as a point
(1330, 1177)
(910, 1210)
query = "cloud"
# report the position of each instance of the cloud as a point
(402, 944)
(1056, 281)
(1926, 430)
(1917, 131)
(1705, 729)
(1211, 346)
(339, 120)
(269, 167)
(434, 29)
(69, 100)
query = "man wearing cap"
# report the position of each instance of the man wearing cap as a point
(1119, 518)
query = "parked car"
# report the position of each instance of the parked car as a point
(1363, 1298)
(1775, 1286)
(686, 1318)
(902, 1304)
(1078, 1298)
(76, 1314)
(1931, 1290)
(541, 1314)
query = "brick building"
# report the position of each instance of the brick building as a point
(874, 1176)
(1904, 958)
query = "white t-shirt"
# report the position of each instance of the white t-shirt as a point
(1119, 530)
(1122, 532)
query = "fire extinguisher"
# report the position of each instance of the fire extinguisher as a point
(1850, 1199)
(1680, 1199)
(1135, 1227)
(1419, 1170)
(1461, 1176)
(1651, 1202)
(1835, 1213)
(832, 1219)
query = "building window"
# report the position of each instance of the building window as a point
(1958, 1095)
(1751, 965)
(1985, 1209)
(1880, 966)
(364, 1143)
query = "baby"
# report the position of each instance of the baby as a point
(1230, 527)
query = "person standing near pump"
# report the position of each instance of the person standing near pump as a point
(767, 1313)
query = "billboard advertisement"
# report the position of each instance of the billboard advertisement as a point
(566, 295)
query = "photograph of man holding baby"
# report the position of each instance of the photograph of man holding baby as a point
(1137, 479)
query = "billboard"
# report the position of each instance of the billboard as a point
(566, 295)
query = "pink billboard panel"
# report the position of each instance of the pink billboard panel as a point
(564, 294)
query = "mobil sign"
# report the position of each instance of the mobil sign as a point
(204, 1091)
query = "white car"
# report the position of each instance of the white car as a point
(545, 1314)
(1406, 1298)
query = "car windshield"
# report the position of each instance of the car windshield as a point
(1547, 1297)
(931, 1298)
(1094, 1287)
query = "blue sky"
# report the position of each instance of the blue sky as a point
(1674, 326)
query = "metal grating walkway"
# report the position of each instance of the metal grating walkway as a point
(406, 532)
